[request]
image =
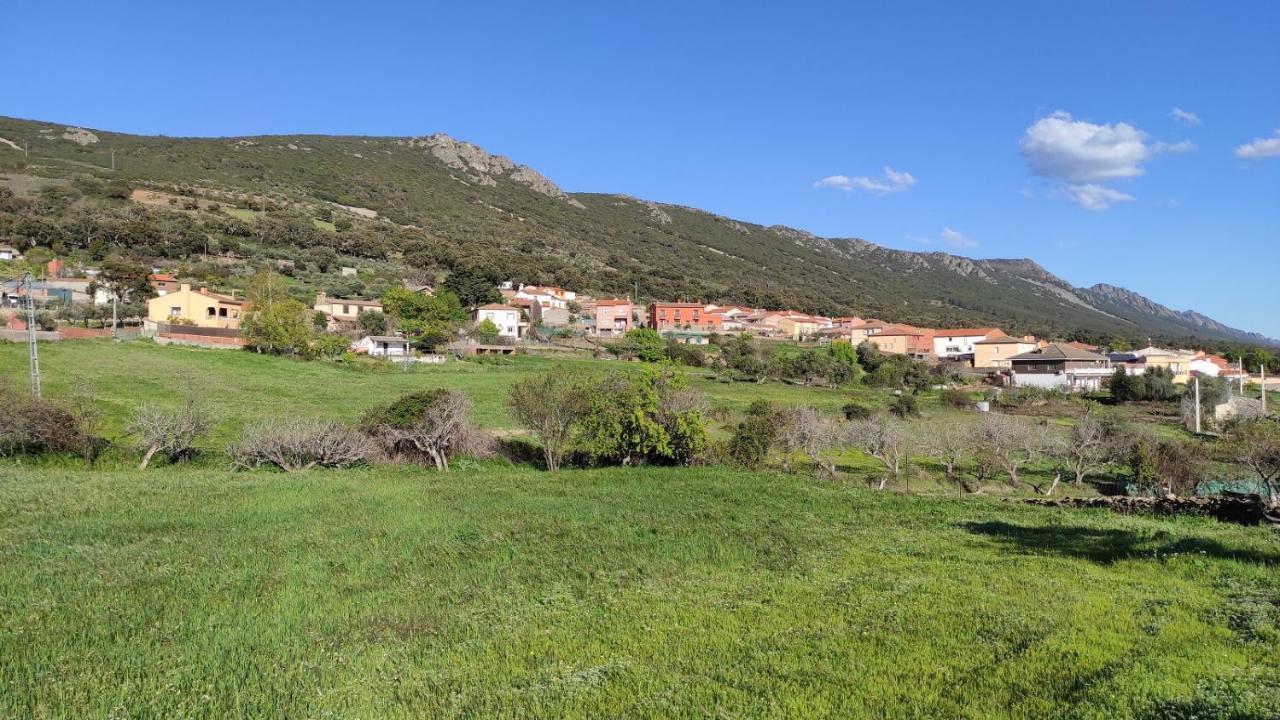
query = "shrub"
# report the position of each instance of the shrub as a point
(299, 445)
(330, 346)
(486, 331)
(755, 435)
(905, 406)
(434, 424)
(856, 411)
(552, 406)
(33, 425)
(684, 354)
(649, 418)
(956, 398)
(171, 432)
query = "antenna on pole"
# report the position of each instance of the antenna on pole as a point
(33, 350)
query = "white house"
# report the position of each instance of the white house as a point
(552, 297)
(958, 342)
(382, 346)
(8, 253)
(507, 318)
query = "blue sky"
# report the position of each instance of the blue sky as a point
(1008, 129)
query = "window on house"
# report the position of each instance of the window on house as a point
(346, 309)
(222, 312)
(175, 311)
(209, 312)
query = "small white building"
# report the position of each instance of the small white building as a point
(9, 253)
(550, 297)
(958, 343)
(382, 346)
(507, 319)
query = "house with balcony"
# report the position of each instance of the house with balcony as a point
(614, 317)
(683, 316)
(1060, 366)
(201, 308)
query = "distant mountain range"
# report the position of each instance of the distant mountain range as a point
(482, 209)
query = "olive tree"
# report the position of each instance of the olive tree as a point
(884, 438)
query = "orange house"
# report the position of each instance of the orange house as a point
(904, 340)
(683, 316)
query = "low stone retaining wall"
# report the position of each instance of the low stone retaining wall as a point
(204, 341)
(1233, 508)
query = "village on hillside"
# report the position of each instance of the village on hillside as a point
(531, 316)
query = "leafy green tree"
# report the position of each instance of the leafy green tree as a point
(273, 322)
(472, 287)
(486, 331)
(1122, 386)
(645, 344)
(124, 279)
(650, 418)
(373, 322)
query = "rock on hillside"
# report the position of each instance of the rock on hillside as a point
(483, 168)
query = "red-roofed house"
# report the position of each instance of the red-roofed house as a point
(162, 283)
(506, 317)
(904, 340)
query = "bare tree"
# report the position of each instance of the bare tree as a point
(87, 410)
(806, 430)
(436, 423)
(883, 438)
(551, 406)
(169, 431)
(1256, 445)
(951, 444)
(1089, 448)
(299, 445)
(1009, 442)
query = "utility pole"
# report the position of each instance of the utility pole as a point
(114, 297)
(1197, 404)
(1262, 371)
(33, 351)
(1241, 376)
(113, 159)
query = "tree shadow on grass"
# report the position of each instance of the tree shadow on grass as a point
(1108, 545)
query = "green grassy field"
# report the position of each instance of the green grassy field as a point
(504, 592)
(242, 387)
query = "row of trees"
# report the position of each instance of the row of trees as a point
(742, 357)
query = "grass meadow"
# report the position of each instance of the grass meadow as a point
(497, 590)
(243, 387)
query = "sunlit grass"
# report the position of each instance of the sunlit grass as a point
(499, 591)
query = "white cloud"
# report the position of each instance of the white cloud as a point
(1082, 154)
(958, 239)
(1185, 117)
(891, 182)
(1182, 146)
(1260, 148)
(1096, 197)
(954, 238)
(1077, 151)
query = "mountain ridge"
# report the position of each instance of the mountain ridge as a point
(453, 202)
